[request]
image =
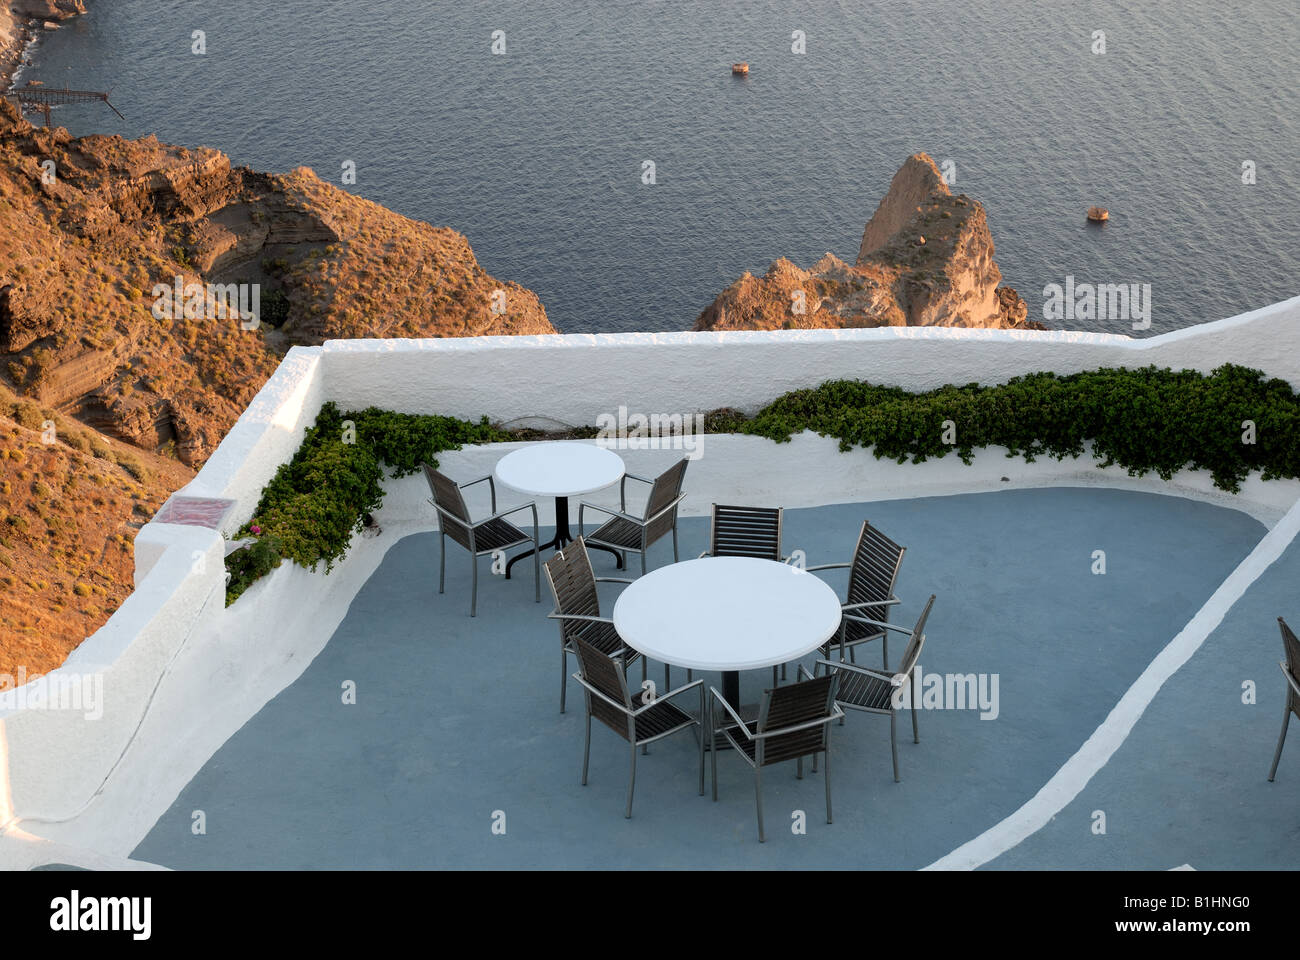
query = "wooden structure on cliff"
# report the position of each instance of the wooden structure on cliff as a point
(43, 98)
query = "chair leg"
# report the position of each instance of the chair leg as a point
(916, 737)
(643, 553)
(674, 541)
(631, 783)
(586, 750)
(1277, 754)
(537, 575)
(884, 647)
(701, 754)
(442, 562)
(713, 751)
(473, 592)
(668, 682)
(775, 681)
(893, 741)
(798, 768)
(828, 773)
(564, 675)
(758, 795)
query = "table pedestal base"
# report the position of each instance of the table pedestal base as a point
(562, 536)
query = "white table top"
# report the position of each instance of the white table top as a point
(554, 468)
(727, 613)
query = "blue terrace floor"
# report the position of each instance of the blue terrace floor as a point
(457, 718)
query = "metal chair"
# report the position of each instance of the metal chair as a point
(479, 537)
(873, 571)
(624, 532)
(1290, 670)
(744, 532)
(609, 701)
(577, 607)
(793, 722)
(872, 691)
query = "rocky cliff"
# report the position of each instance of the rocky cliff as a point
(95, 229)
(96, 236)
(926, 259)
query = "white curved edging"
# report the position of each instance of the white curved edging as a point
(1069, 781)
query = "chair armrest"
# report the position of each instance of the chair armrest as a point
(583, 505)
(1291, 681)
(835, 714)
(621, 707)
(443, 514)
(622, 488)
(734, 715)
(894, 679)
(702, 555)
(530, 505)
(665, 696)
(491, 486)
(828, 566)
(877, 623)
(871, 603)
(613, 580)
(672, 506)
(556, 615)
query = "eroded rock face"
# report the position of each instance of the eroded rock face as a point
(48, 9)
(92, 228)
(926, 259)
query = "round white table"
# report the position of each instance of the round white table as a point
(728, 614)
(559, 469)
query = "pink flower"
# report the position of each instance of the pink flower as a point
(256, 529)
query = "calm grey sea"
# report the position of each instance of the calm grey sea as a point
(536, 155)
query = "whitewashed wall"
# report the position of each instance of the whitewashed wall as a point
(576, 377)
(53, 764)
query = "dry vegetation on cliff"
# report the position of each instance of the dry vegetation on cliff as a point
(89, 227)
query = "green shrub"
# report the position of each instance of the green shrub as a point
(249, 564)
(317, 500)
(1143, 420)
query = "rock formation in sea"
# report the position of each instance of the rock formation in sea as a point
(926, 259)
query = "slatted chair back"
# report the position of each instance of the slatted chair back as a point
(1292, 646)
(790, 706)
(667, 488)
(447, 495)
(913, 651)
(604, 673)
(573, 584)
(874, 572)
(746, 532)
